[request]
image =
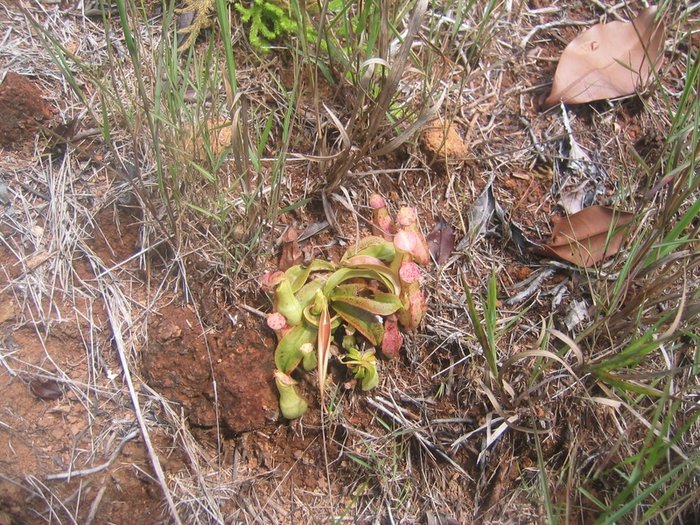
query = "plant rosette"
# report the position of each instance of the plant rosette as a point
(372, 292)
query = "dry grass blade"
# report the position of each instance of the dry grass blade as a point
(391, 409)
(99, 468)
(398, 67)
(116, 316)
(335, 110)
(377, 118)
(347, 144)
(424, 118)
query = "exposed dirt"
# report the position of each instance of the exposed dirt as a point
(23, 110)
(65, 408)
(442, 142)
(115, 237)
(40, 438)
(184, 364)
(54, 406)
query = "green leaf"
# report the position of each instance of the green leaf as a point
(379, 273)
(373, 246)
(371, 378)
(310, 361)
(287, 355)
(292, 405)
(287, 304)
(315, 319)
(364, 367)
(380, 303)
(299, 274)
(306, 294)
(364, 322)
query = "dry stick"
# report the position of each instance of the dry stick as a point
(95, 505)
(94, 470)
(610, 10)
(533, 284)
(550, 25)
(40, 490)
(155, 462)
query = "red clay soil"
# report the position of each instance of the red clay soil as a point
(181, 362)
(57, 416)
(23, 110)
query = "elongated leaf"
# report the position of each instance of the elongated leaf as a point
(481, 336)
(387, 276)
(378, 304)
(364, 261)
(362, 244)
(364, 322)
(589, 236)
(287, 355)
(349, 289)
(382, 274)
(324, 345)
(306, 294)
(373, 246)
(609, 60)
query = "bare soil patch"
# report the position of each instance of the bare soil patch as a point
(184, 362)
(23, 108)
(61, 424)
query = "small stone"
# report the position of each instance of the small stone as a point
(442, 142)
(4, 194)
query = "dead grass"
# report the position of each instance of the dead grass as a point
(571, 423)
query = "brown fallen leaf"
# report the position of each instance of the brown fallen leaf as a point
(480, 214)
(609, 60)
(60, 136)
(441, 241)
(584, 239)
(46, 389)
(291, 252)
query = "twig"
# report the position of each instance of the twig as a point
(34, 192)
(251, 310)
(119, 344)
(610, 10)
(99, 468)
(533, 284)
(95, 505)
(550, 25)
(130, 258)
